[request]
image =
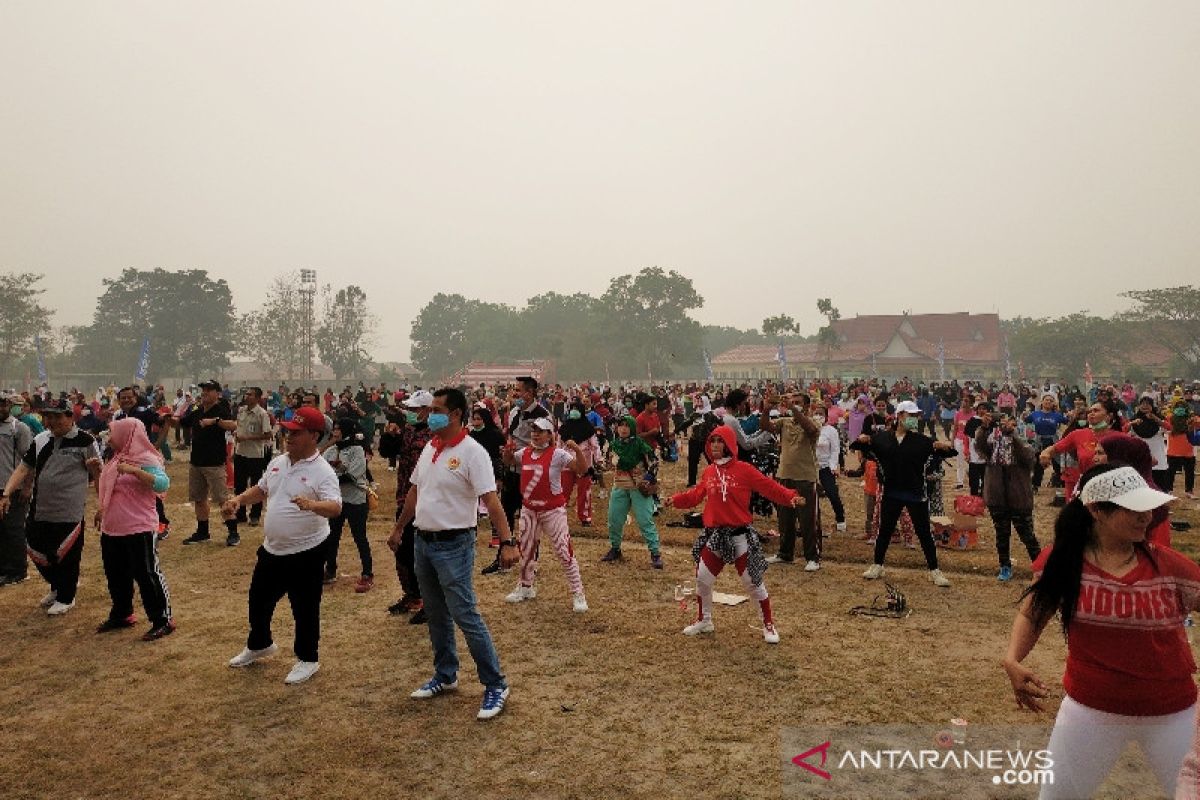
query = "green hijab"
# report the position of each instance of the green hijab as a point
(630, 452)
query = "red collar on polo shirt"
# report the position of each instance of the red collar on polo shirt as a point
(440, 444)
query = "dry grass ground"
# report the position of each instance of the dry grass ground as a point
(610, 704)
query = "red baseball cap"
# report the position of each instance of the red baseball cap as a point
(306, 418)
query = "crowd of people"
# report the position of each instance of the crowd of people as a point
(299, 463)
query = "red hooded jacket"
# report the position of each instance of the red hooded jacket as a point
(727, 487)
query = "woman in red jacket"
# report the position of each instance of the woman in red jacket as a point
(727, 485)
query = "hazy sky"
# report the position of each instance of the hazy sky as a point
(1027, 158)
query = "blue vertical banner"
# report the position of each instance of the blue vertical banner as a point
(143, 364)
(41, 359)
(708, 370)
(781, 357)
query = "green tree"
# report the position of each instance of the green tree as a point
(439, 335)
(1063, 346)
(22, 316)
(345, 333)
(827, 336)
(646, 322)
(274, 334)
(187, 316)
(776, 327)
(563, 328)
(1170, 317)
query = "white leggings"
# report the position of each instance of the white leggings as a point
(1086, 743)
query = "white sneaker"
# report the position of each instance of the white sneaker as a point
(776, 559)
(770, 635)
(49, 599)
(841, 527)
(939, 579)
(812, 566)
(699, 626)
(579, 603)
(248, 656)
(874, 572)
(57, 609)
(521, 594)
(302, 671)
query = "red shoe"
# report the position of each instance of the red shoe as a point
(365, 584)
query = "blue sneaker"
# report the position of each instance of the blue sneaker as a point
(433, 688)
(1005, 574)
(493, 702)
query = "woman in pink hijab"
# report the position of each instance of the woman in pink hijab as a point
(128, 521)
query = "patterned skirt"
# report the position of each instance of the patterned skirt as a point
(720, 542)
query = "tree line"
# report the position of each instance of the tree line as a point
(192, 326)
(640, 326)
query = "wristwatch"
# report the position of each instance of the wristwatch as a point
(512, 542)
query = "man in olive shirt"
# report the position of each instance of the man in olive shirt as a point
(798, 436)
(250, 453)
(209, 420)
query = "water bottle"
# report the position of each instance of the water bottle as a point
(1189, 626)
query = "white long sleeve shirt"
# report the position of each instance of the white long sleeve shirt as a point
(829, 447)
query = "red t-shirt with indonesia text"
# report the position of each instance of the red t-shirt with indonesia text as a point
(1127, 651)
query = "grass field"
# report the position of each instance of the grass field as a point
(611, 703)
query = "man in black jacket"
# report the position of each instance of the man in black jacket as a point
(901, 454)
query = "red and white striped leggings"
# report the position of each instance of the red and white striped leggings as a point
(552, 522)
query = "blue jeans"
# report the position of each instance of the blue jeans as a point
(444, 572)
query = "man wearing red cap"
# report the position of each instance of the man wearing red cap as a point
(302, 494)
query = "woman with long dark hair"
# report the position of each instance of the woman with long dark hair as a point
(1122, 604)
(484, 430)
(1080, 443)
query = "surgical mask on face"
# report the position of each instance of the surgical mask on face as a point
(574, 414)
(519, 402)
(912, 423)
(437, 422)
(477, 427)
(1100, 426)
(411, 417)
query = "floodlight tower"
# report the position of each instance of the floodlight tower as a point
(308, 291)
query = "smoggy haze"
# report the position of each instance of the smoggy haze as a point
(1032, 159)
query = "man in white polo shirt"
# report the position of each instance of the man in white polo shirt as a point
(452, 475)
(302, 493)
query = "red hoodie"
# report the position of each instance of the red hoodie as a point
(727, 488)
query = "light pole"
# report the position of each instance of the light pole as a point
(308, 290)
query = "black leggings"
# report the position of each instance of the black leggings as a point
(889, 514)
(975, 474)
(695, 451)
(1188, 465)
(354, 514)
(830, 487)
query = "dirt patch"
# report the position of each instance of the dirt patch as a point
(612, 703)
